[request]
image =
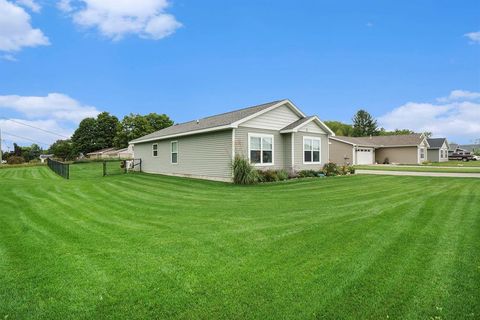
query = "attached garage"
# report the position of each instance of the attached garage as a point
(365, 155)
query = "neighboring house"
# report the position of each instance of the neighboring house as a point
(405, 149)
(44, 157)
(99, 154)
(112, 153)
(275, 135)
(438, 150)
(457, 149)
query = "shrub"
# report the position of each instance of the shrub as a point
(386, 161)
(307, 173)
(15, 160)
(282, 175)
(243, 171)
(351, 169)
(268, 176)
(330, 169)
(344, 170)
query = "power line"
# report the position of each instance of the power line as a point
(34, 127)
(24, 138)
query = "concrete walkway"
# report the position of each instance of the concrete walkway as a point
(420, 174)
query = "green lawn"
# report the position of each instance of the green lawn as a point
(454, 164)
(141, 246)
(422, 168)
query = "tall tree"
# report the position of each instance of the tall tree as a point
(62, 149)
(134, 126)
(364, 124)
(105, 130)
(84, 138)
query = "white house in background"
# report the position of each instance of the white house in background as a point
(44, 157)
(275, 135)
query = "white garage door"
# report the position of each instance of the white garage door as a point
(364, 156)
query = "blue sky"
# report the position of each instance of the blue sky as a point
(412, 64)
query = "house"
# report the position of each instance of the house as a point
(44, 157)
(405, 149)
(275, 135)
(472, 148)
(438, 150)
(112, 153)
(99, 154)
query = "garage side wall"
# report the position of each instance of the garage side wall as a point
(402, 155)
(339, 151)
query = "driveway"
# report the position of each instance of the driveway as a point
(420, 174)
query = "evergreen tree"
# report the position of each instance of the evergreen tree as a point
(364, 124)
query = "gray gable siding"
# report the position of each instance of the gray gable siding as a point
(298, 145)
(206, 155)
(241, 146)
(273, 120)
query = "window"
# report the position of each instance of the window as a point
(311, 150)
(441, 153)
(174, 151)
(155, 150)
(260, 149)
(422, 153)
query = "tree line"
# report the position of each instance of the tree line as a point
(364, 125)
(103, 131)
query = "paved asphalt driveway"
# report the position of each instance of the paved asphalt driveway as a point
(421, 174)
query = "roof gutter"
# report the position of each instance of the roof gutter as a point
(188, 133)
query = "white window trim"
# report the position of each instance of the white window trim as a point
(319, 151)
(171, 152)
(155, 144)
(261, 135)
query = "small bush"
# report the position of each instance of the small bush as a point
(307, 173)
(15, 160)
(330, 169)
(351, 169)
(386, 161)
(344, 170)
(243, 171)
(282, 175)
(268, 176)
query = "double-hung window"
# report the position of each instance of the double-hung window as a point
(260, 149)
(174, 148)
(311, 150)
(155, 150)
(422, 153)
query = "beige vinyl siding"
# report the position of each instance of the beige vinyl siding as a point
(434, 155)
(340, 150)
(206, 155)
(241, 146)
(298, 150)
(287, 154)
(403, 155)
(273, 120)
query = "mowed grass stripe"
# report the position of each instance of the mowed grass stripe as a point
(147, 246)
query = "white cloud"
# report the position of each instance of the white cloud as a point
(457, 120)
(13, 131)
(55, 105)
(16, 31)
(9, 57)
(456, 95)
(30, 4)
(473, 36)
(65, 5)
(54, 112)
(117, 18)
